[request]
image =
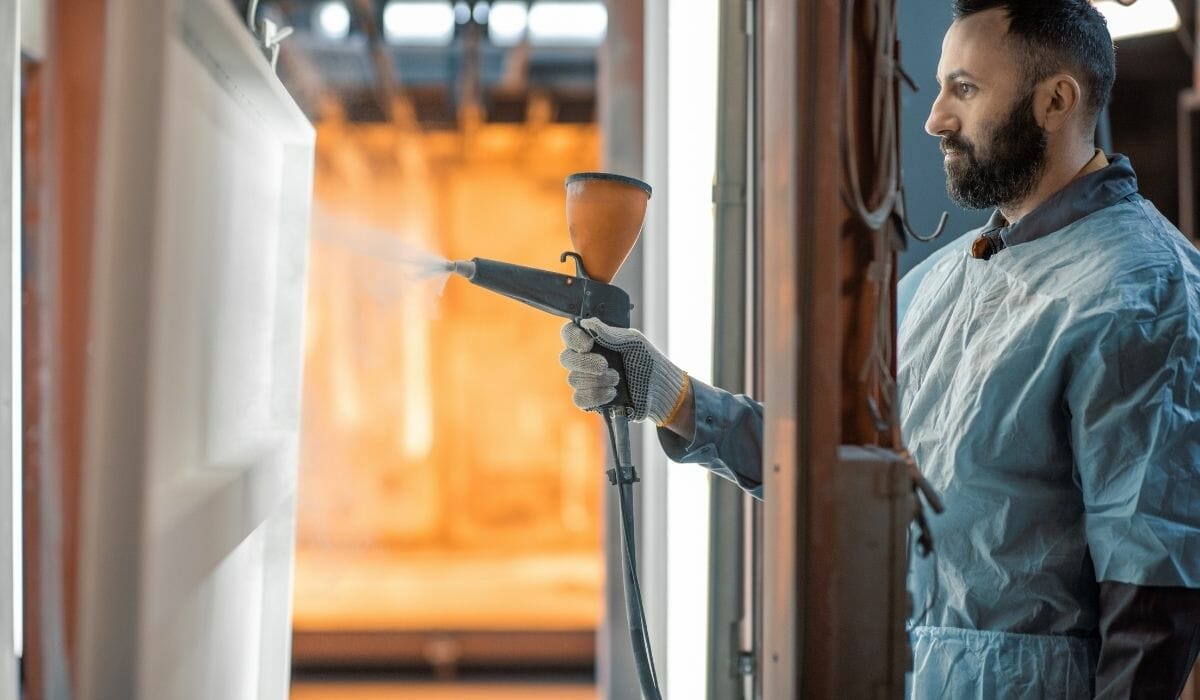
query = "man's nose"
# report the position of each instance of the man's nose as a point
(941, 121)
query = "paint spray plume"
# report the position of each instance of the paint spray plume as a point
(408, 269)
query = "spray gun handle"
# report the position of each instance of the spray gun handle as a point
(614, 360)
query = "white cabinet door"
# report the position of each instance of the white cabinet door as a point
(194, 362)
(10, 344)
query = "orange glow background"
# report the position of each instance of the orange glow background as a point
(446, 478)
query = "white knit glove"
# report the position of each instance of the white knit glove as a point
(655, 385)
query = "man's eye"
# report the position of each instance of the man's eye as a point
(966, 89)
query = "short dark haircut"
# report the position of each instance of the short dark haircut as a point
(1058, 35)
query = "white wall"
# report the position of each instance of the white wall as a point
(681, 84)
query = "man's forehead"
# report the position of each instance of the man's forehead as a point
(978, 45)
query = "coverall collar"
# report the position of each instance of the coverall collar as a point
(1087, 195)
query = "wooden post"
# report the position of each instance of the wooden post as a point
(1189, 152)
(835, 539)
(803, 216)
(60, 147)
(76, 64)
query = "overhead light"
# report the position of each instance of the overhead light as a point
(1140, 18)
(462, 12)
(333, 19)
(570, 23)
(418, 23)
(480, 13)
(506, 22)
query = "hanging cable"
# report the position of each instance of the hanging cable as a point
(887, 191)
(883, 210)
(623, 476)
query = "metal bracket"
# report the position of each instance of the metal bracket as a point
(622, 475)
(269, 35)
(746, 663)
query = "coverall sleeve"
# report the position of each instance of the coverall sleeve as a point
(728, 440)
(1134, 405)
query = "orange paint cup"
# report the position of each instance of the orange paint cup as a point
(604, 217)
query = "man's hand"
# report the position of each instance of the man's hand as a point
(658, 389)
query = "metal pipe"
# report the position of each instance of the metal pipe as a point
(752, 536)
(620, 94)
(727, 555)
(623, 475)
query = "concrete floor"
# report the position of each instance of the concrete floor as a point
(377, 590)
(524, 689)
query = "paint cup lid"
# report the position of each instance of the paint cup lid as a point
(613, 177)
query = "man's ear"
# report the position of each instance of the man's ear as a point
(1057, 100)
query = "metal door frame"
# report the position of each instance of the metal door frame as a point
(729, 653)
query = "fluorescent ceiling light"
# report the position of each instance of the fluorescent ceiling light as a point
(506, 22)
(333, 19)
(1139, 19)
(418, 23)
(462, 12)
(570, 23)
(480, 13)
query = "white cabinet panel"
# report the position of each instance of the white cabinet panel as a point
(194, 374)
(10, 348)
(33, 27)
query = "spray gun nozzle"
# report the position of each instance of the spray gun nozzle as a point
(466, 268)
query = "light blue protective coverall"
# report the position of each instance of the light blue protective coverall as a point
(1052, 395)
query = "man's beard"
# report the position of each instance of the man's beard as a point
(1013, 164)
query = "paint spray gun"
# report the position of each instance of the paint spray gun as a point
(604, 217)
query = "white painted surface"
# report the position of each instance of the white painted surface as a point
(653, 466)
(691, 158)
(10, 349)
(33, 27)
(680, 118)
(195, 363)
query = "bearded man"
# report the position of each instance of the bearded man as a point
(1049, 374)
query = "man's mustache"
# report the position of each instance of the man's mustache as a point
(954, 144)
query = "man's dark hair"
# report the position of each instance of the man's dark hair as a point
(1058, 35)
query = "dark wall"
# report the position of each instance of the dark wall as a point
(922, 25)
(1151, 71)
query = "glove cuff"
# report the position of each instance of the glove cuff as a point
(665, 392)
(674, 412)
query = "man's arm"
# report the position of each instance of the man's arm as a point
(1134, 405)
(696, 422)
(721, 431)
(1150, 637)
